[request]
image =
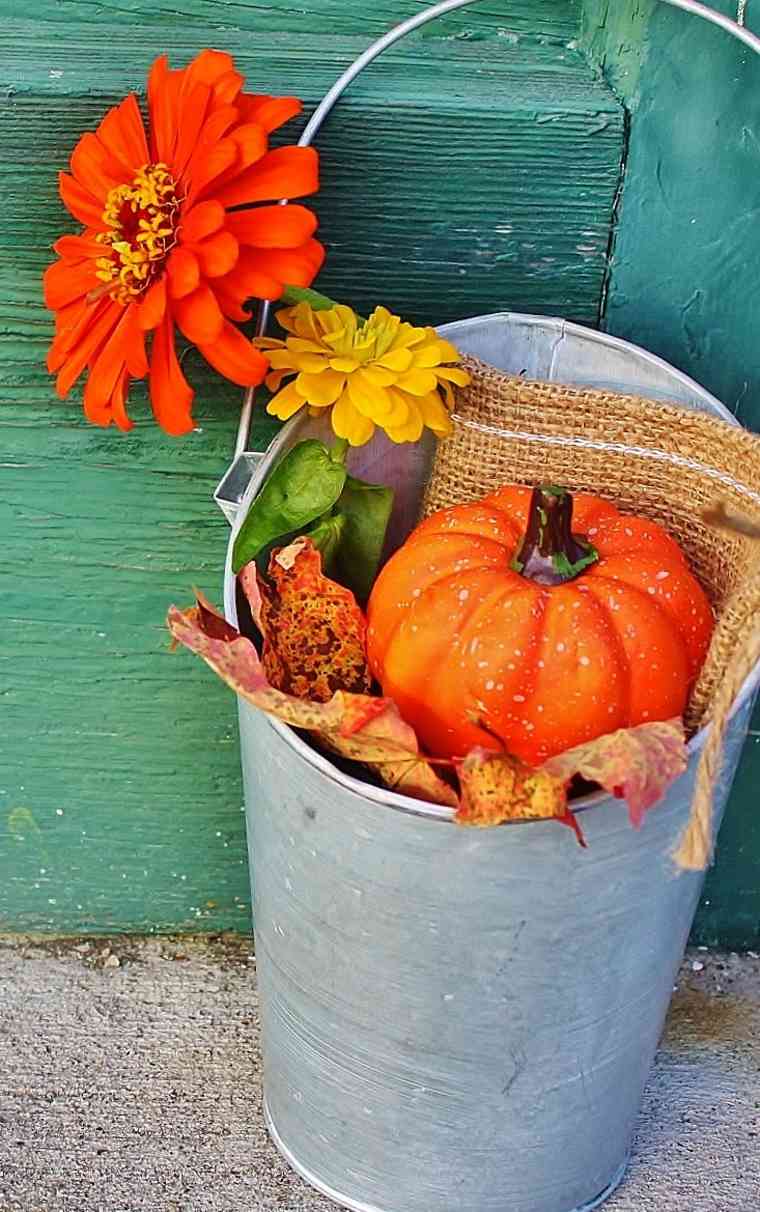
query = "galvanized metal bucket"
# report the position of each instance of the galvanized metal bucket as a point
(457, 1020)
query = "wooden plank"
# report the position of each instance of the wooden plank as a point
(729, 915)
(554, 20)
(119, 779)
(510, 149)
(119, 768)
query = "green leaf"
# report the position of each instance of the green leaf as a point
(305, 484)
(366, 510)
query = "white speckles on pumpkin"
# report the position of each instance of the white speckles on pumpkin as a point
(518, 698)
(560, 647)
(463, 595)
(662, 575)
(584, 660)
(490, 684)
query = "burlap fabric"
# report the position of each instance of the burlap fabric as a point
(650, 458)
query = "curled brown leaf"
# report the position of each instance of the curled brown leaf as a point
(362, 728)
(314, 631)
(497, 787)
(637, 764)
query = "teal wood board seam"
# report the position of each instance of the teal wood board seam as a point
(683, 283)
(433, 196)
(551, 20)
(120, 797)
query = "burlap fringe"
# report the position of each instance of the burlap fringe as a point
(651, 458)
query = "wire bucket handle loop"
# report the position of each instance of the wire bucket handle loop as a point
(314, 125)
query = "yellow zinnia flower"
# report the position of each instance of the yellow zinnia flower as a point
(381, 371)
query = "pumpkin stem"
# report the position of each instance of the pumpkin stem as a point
(550, 554)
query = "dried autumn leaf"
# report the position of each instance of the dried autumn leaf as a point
(248, 579)
(635, 764)
(497, 787)
(638, 764)
(382, 740)
(314, 632)
(360, 727)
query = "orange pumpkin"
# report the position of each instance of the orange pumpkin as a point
(548, 620)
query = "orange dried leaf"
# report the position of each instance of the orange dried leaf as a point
(497, 787)
(314, 632)
(248, 578)
(359, 727)
(636, 764)
(382, 740)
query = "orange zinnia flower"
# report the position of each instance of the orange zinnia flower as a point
(165, 240)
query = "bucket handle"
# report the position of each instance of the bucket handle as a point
(735, 28)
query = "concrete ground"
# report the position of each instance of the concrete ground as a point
(130, 1082)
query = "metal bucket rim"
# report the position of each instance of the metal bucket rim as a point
(442, 812)
(594, 336)
(356, 1206)
(382, 795)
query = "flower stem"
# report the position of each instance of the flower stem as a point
(550, 554)
(302, 294)
(339, 450)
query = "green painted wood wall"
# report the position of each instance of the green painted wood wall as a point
(476, 168)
